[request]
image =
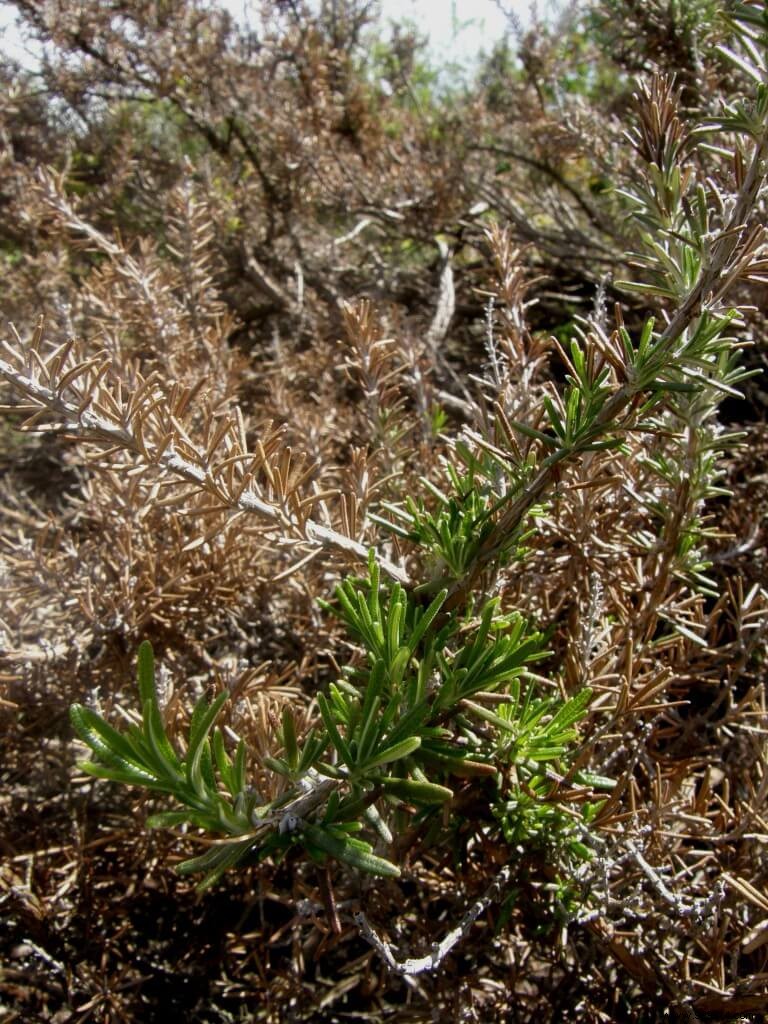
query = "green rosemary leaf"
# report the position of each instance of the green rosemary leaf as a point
(350, 852)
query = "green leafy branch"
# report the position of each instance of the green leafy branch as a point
(210, 786)
(438, 701)
(695, 247)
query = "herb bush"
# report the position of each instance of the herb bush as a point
(395, 461)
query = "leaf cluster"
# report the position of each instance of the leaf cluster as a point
(437, 700)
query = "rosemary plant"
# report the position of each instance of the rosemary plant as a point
(439, 699)
(445, 696)
(439, 726)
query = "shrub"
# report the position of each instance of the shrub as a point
(436, 625)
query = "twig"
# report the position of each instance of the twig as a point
(86, 424)
(439, 950)
(696, 909)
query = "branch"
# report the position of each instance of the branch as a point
(729, 258)
(133, 434)
(440, 950)
(544, 167)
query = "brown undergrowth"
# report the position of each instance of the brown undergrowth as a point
(259, 300)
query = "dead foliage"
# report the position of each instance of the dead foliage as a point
(257, 300)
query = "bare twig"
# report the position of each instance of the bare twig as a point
(439, 951)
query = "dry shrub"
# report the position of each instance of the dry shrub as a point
(262, 304)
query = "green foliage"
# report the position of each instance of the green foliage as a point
(664, 33)
(209, 784)
(438, 699)
(453, 532)
(687, 372)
